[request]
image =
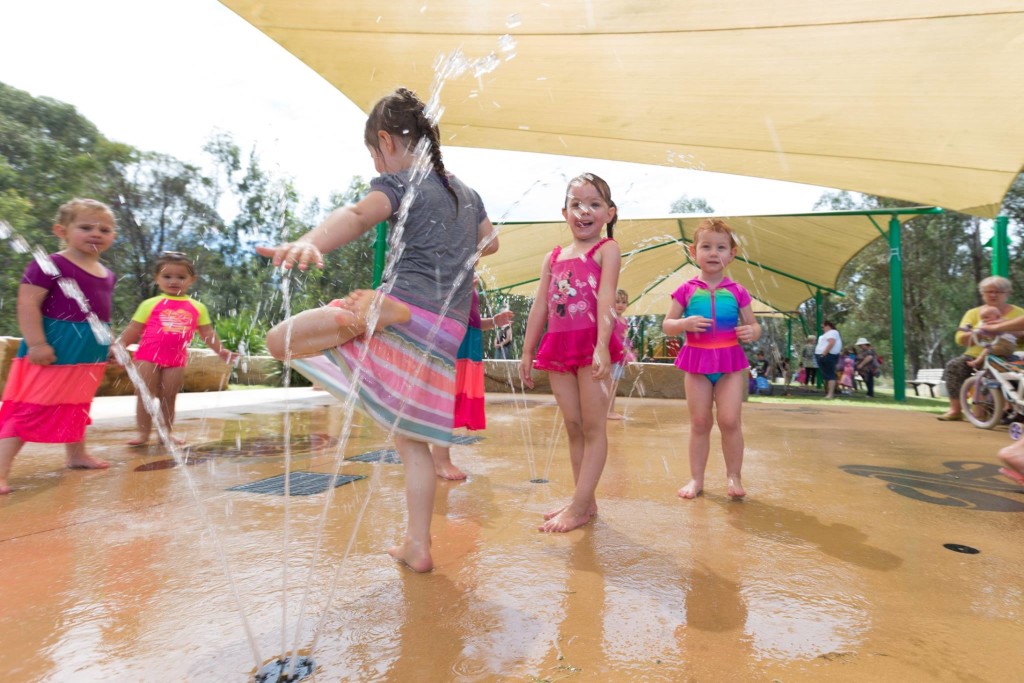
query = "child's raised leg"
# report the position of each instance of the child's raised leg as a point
(420, 484)
(728, 404)
(8, 449)
(311, 332)
(584, 405)
(443, 465)
(149, 373)
(700, 393)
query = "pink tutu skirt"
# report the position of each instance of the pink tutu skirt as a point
(709, 361)
(570, 350)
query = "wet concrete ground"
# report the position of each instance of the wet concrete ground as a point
(833, 568)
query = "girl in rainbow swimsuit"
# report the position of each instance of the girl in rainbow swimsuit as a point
(715, 314)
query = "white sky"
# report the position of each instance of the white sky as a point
(163, 75)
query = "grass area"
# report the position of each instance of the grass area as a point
(883, 399)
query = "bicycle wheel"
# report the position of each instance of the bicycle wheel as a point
(982, 401)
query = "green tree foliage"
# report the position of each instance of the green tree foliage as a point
(943, 260)
(49, 153)
(687, 204)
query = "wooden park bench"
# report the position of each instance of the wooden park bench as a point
(931, 378)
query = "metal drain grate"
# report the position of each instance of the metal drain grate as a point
(299, 483)
(465, 440)
(388, 456)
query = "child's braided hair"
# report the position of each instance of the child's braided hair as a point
(402, 115)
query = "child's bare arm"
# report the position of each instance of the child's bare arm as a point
(499, 320)
(611, 262)
(535, 324)
(339, 228)
(209, 335)
(30, 321)
(750, 330)
(131, 334)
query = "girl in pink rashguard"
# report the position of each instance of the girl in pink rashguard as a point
(166, 324)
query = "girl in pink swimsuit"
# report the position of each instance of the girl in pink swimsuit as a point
(715, 314)
(575, 300)
(166, 325)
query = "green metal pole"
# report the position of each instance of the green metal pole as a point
(899, 370)
(819, 302)
(1001, 248)
(789, 345)
(643, 341)
(380, 253)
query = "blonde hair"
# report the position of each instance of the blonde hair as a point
(715, 225)
(622, 294)
(989, 310)
(69, 210)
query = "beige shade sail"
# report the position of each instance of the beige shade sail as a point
(917, 99)
(783, 260)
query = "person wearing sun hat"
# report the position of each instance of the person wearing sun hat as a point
(867, 365)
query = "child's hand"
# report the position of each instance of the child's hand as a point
(291, 253)
(526, 371)
(41, 354)
(602, 365)
(696, 323)
(503, 318)
(228, 356)
(745, 333)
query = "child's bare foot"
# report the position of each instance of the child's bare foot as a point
(87, 462)
(138, 441)
(551, 514)
(615, 416)
(735, 488)
(449, 471)
(176, 440)
(414, 555)
(4, 488)
(1012, 474)
(691, 490)
(566, 520)
(392, 311)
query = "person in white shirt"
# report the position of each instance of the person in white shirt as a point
(830, 345)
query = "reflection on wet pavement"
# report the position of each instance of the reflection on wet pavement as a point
(833, 568)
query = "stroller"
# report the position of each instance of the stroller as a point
(995, 394)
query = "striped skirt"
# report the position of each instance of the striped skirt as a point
(403, 377)
(50, 403)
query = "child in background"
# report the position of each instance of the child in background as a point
(60, 362)
(622, 331)
(715, 314)
(469, 383)
(997, 344)
(166, 324)
(405, 360)
(575, 298)
(846, 380)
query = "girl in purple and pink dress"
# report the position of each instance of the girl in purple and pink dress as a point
(166, 324)
(575, 300)
(715, 314)
(63, 356)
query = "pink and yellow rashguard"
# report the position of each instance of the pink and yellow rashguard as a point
(170, 322)
(717, 351)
